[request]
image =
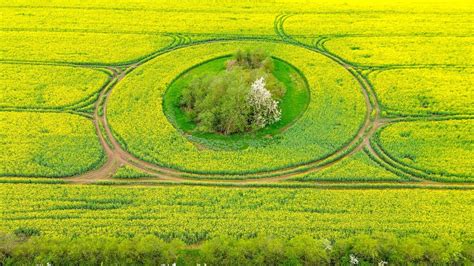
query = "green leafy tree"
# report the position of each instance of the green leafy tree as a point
(242, 98)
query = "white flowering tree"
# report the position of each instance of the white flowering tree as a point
(265, 110)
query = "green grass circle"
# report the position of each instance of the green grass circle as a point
(293, 104)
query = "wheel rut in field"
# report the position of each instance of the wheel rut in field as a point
(117, 156)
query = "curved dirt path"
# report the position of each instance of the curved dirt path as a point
(117, 156)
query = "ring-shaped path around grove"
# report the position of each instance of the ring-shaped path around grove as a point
(334, 115)
(362, 140)
(118, 156)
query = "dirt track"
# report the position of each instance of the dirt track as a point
(117, 156)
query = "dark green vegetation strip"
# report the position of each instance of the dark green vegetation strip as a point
(330, 184)
(26, 246)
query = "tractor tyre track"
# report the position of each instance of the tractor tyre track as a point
(117, 156)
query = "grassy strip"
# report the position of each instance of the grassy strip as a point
(105, 136)
(388, 167)
(83, 114)
(22, 180)
(320, 185)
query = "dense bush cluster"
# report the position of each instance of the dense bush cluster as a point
(146, 250)
(361, 249)
(243, 97)
(301, 250)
